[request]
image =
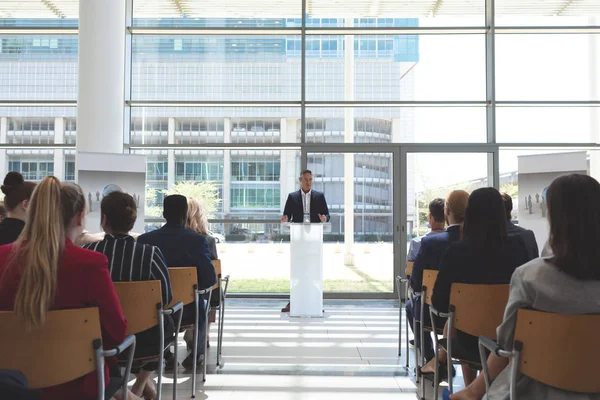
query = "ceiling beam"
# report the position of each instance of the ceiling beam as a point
(50, 6)
(564, 7)
(436, 7)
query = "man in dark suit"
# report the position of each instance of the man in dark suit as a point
(305, 201)
(429, 257)
(184, 248)
(305, 204)
(527, 235)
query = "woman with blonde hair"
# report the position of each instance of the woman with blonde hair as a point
(43, 270)
(197, 221)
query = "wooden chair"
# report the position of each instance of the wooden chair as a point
(474, 309)
(141, 302)
(429, 278)
(221, 307)
(402, 300)
(184, 285)
(554, 349)
(67, 347)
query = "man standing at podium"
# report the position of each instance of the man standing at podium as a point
(305, 205)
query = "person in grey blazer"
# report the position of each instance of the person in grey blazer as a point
(568, 282)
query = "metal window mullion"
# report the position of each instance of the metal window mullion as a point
(128, 72)
(490, 86)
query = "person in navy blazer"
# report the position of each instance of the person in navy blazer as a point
(305, 199)
(430, 254)
(527, 235)
(294, 206)
(184, 248)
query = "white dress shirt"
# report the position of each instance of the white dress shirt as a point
(306, 201)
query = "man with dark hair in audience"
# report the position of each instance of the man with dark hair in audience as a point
(437, 223)
(527, 235)
(429, 256)
(184, 248)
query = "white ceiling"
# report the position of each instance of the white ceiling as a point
(315, 8)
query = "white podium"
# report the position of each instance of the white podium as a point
(306, 275)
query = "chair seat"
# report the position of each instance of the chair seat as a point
(439, 331)
(462, 354)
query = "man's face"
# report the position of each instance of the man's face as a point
(306, 182)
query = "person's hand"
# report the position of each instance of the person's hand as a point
(284, 218)
(323, 218)
(465, 394)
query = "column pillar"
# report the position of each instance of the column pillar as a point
(171, 153)
(349, 157)
(594, 94)
(227, 167)
(59, 154)
(101, 95)
(3, 156)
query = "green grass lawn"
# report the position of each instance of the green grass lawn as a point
(283, 286)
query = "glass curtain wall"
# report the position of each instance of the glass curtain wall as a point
(239, 98)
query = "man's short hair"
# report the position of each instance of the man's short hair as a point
(508, 205)
(305, 171)
(436, 209)
(175, 208)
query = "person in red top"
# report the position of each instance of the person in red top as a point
(43, 270)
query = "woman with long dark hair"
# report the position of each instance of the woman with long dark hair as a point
(485, 255)
(568, 282)
(17, 193)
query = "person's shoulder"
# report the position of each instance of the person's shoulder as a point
(441, 237)
(534, 269)
(6, 250)
(83, 256)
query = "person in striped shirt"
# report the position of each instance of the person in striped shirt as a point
(131, 261)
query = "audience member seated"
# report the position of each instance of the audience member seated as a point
(566, 283)
(44, 270)
(184, 248)
(17, 194)
(429, 256)
(2, 212)
(437, 223)
(197, 221)
(14, 386)
(527, 235)
(485, 255)
(130, 261)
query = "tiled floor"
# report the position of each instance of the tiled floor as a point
(352, 353)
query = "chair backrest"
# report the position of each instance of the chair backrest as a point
(558, 350)
(138, 300)
(429, 278)
(409, 268)
(217, 265)
(478, 309)
(58, 352)
(183, 280)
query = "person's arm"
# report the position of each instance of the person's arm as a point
(101, 293)
(416, 279)
(534, 246)
(160, 272)
(287, 210)
(443, 284)
(412, 253)
(325, 209)
(212, 244)
(206, 271)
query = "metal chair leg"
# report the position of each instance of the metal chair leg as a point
(195, 346)
(175, 372)
(206, 333)
(161, 357)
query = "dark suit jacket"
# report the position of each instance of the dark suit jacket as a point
(295, 210)
(431, 252)
(528, 238)
(183, 248)
(462, 263)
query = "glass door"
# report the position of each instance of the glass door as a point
(359, 250)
